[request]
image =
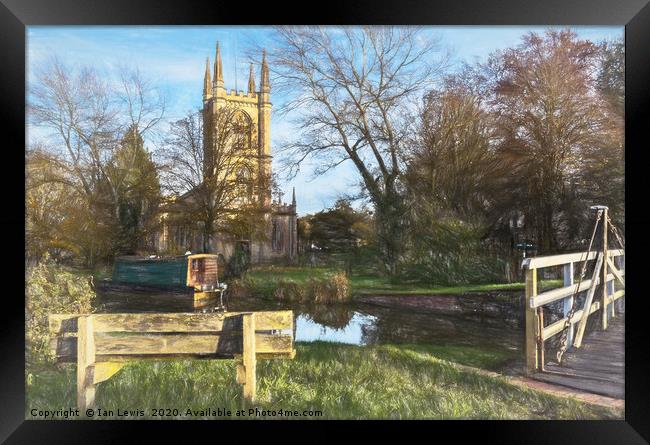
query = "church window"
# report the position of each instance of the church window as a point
(276, 237)
(242, 131)
(245, 183)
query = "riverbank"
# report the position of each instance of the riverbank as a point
(264, 280)
(503, 307)
(340, 381)
(502, 302)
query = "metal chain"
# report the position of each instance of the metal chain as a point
(565, 330)
(616, 233)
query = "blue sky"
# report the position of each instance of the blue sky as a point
(174, 58)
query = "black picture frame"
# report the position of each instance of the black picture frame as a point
(15, 15)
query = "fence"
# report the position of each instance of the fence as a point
(606, 271)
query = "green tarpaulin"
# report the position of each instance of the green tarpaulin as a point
(159, 272)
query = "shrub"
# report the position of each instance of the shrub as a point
(330, 289)
(240, 261)
(333, 287)
(454, 268)
(51, 289)
(290, 291)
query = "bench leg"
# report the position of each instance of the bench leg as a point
(249, 362)
(85, 363)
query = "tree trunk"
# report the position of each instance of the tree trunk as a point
(390, 231)
(206, 241)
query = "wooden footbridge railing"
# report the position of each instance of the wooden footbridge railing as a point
(100, 344)
(606, 270)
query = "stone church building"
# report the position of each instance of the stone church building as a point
(279, 224)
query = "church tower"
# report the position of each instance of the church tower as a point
(253, 108)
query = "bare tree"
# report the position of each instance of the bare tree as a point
(453, 166)
(353, 88)
(88, 116)
(212, 185)
(54, 220)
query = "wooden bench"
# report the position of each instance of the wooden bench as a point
(100, 344)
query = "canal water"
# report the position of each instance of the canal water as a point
(354, 323)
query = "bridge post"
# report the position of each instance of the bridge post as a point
(532, 324)
(620, 263)
(568, 302)
(604, 298)
(249, 360)
(610, 293)
(85, 363)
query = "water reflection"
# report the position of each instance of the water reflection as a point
(353, 323)
(353, 332)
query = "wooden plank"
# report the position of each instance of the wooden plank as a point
(274, 320)
(174, 322)
(590, 295)
(63, 323)
(558, 326)
(182, 344)
(567, 305)
(270, 345)
(273, 344)
(164, 323)
(617, 273)
(610, 298)
(557, 260)
(241, 372)
(618, 294)
(64, 348)
(554, 295)
(598, 366)
(105, 370)
(167, 358)
(248, 358)
(616, 252)
(175, 344)
(532, 323)
(557, 294)
(540, 338)
(604, 314)
(276, 355)
(85, 364)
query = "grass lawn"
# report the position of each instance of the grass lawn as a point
(265, 280)
(341, 381)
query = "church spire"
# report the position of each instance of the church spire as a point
(251, 80)
(207, 82)
(218, 70)
(265, 84)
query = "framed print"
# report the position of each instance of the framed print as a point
(381, 212)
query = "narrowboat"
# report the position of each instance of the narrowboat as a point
(195, 275)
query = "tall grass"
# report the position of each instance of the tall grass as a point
(323, 288)
(342, 381)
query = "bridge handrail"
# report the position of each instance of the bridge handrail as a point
(558, 260)
(536, 332)
(551, 296)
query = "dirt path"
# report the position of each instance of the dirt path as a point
(556, 390)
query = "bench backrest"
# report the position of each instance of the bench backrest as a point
(138, 336)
